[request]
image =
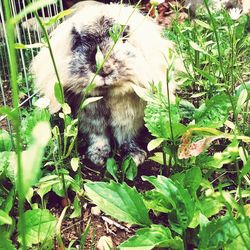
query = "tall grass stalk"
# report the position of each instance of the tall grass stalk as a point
(46, 36)
(17, 121)
(214, 27)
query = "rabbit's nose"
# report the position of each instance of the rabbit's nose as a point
(105, 71)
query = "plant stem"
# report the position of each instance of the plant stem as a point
(169, 116)
(17, 121)
(50, 51)
(65, 190)
(220, 56)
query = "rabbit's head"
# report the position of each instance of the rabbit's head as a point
(138, 56)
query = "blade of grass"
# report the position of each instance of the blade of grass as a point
(16, 123)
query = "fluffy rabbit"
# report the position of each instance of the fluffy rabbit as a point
(138, 58)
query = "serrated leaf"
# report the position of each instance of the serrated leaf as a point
(187, 109)
(149, 238)
(120, 201)
(214, 112)
(216, 234)
(5, 218)
(40, 226)
(158, 123)
(182, 204)
(58, 92)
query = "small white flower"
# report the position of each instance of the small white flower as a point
(188, 6)
(99, 58)
(42, 102)
(235, 13)
(156, 2)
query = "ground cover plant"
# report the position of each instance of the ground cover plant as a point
(192, 193)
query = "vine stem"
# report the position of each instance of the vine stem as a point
(17, 121)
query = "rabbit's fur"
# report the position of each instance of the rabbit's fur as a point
(138, 58)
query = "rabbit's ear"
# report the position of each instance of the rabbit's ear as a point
(76, 39)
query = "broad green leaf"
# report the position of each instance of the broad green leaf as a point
(40, 226)
(9, 201)
(5, 141)
(217, 234)
(157, 202)
(58, 92)
(42, 190)
(5, 218)
(214, 112)
(74, 162)
(129, 168)
(192, 180)
(112, 168)
(32, 157)
(157, 120)
(10, 113)
(246, 168)
(241, 100)
(149, 238)
(211, 162)
(182, 204)
(158, 157)
(210, 206)
(77, 208)
(154, 143)
(120, 201)
(5, 243)
(187, 109)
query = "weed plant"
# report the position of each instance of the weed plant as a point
(201, 143)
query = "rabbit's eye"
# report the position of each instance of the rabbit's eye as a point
(124, 35)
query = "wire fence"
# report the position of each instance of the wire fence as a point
(27, 32)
